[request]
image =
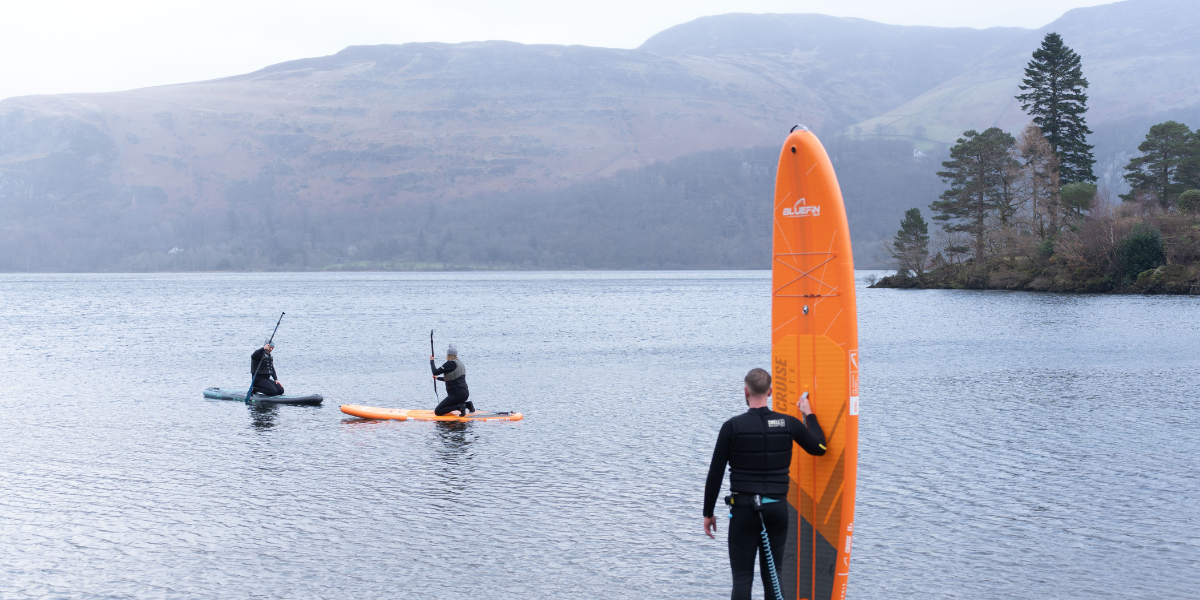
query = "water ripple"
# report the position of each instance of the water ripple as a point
(1013, 445)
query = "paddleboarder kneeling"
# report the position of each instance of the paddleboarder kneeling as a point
(262, 368)
(757, 446)
(455, 375)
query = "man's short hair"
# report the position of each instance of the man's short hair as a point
(758, 381)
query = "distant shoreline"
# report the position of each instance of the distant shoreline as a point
(1171, 279)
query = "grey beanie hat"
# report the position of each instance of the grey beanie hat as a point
(452, 350)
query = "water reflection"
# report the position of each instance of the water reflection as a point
(360, 423)
(455, 437)
(454, 471)
(262, 416)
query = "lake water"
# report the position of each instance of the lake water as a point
(1013, 445)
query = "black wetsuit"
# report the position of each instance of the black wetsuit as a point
(757, 445)
(264, 374)
(456, 387)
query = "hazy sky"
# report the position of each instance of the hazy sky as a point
(55, 46)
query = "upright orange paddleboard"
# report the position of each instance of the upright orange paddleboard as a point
(814, 349)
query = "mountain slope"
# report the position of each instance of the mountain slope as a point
(887, 64)
(380, 124)
(485, 153)
(1141, 57)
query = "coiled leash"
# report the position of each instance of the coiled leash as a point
(759, 501)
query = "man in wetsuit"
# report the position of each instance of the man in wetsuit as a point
(757, 445)
(455, 375)
(262, 367)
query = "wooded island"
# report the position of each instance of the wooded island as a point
(1024, 213)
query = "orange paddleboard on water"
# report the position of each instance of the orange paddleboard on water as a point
(400, 414)
(814, 349)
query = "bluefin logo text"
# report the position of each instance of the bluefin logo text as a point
(801, 209)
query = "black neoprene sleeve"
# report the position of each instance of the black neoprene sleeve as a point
(809, 435)
(716, 469)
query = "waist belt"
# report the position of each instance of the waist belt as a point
(756, 501)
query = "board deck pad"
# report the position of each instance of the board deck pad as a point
(400, 414)
(814, 349)
(225, 394)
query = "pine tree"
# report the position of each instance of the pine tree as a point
(1005, 182)
(910, 246)
(1189, 171)
(1054, 96)
(1163, 169)
(1078, 197)
(975, 172)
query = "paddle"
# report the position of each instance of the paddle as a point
(431, 354)
(260, 362)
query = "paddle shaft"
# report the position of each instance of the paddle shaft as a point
(255, 376)
(431, 354)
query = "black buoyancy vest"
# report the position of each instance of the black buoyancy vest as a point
(761, 454)
(265, 369)
(456, 379)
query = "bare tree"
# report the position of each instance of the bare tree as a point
(1038, 186)
(949, 248)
